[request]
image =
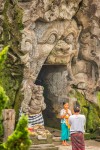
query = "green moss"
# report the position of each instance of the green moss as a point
(12, 25)
(18, 100)
(82, 101)
(3, 56)
(18, 18)
(90, 110)
(93, 118)
(3, 104)
(89, 136)
(3, 97)
(98, 98)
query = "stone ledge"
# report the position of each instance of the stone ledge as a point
(43, 147)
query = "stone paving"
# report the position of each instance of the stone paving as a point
(90, 145)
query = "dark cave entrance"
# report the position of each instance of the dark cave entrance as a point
(53, 79)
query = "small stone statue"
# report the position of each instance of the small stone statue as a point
(34, 106)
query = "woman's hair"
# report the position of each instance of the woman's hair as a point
(64, 103)
(76, 109)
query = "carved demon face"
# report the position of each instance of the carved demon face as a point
(56, 42)
(53, 42)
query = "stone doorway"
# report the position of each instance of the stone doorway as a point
(54, 80)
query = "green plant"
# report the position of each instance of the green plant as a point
(3, 56)
(19, 140)
(3, 104)
(3, 100)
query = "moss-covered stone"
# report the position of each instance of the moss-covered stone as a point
(12, 25)
(12, 72)
(90, 110)
(89, 136)
(98, 98)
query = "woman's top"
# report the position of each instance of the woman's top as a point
(62, 112)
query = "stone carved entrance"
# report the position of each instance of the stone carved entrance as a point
(54, 80)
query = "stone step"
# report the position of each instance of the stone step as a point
(43, 147)
(97, 140)
(56, 139)
(98, 137)
(49, 148)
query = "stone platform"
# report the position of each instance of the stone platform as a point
(89, 145)
(43, 147)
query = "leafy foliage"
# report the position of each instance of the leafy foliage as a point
(3, 99)
(3, 56)
(19, 140)
(3, 104)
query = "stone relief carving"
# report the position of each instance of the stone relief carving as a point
(39, 38)
(66, 48)
(89, 44)
(63, 33)
(50, 10)
(52, 36)
(44, 38)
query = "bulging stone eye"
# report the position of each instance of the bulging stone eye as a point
(51, 39)
(69, 38)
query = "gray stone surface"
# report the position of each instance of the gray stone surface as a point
(44, 147)
(60, 33)
(90, 145)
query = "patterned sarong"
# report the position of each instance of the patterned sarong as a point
(78, 141)
(33, 119)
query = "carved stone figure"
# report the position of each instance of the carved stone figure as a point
(60, 33)
(51, 36)
(47, 38)
(66, 48)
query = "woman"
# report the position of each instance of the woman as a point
(64, 115)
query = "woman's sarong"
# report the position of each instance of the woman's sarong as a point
(64, 132)
(78, 141)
